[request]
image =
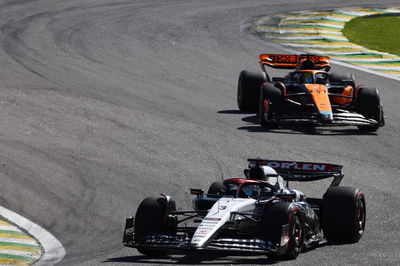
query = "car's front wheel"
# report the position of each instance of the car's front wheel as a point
(152, 217)
(278, 216)
(270, 104)
(368, 104)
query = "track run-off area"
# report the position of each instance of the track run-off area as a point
(320, 32)
(106, 102)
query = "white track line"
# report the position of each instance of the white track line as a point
(54, 251)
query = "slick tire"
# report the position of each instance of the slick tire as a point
(152, 217)
(276, 216)
(368, 104)
(342, 79)
(216, 190)
(343, 214)
(248, 90)
(271, 102)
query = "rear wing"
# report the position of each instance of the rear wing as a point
(285, 61)
(302, 171)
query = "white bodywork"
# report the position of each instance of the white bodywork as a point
(217, 216)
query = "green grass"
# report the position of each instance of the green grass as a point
(381, 33)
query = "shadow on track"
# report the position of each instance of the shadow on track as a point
(297, 129)
(185, 258)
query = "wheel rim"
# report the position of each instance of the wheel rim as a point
(360, 212)
(297, 233)
(265, 109)
(239, 94)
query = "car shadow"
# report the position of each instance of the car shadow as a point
(296, 129)
(198, 257)
(182, 257)
(237, 112)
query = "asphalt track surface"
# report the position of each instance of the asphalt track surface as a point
(103, 103)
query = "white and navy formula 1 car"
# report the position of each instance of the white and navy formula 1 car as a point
(257, 213)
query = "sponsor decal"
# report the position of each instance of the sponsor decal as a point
(287, 165)
(212, 219)
(317, 90)
(293, 58)
(206, 226)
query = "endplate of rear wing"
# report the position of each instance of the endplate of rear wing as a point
(301, 171)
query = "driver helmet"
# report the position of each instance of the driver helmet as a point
(272, 177)
(308, 78)
(252, 190)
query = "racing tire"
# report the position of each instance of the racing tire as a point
(342, 78)
(343, 214)
(276, 216)
(152, 217)
(216, 190)
(248, 90)
(368, 104)
(271, 102)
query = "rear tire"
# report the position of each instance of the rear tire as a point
(248, 91)
(343, 214)
(275, 217)
(368, 104)
(216, 190)
(271, 102)
(152, 217)
(342, 79)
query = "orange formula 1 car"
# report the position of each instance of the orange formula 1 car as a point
(308, 95)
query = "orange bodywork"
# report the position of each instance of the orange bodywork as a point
(320, 96)
(348, 91)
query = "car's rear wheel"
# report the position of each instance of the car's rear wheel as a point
(343, 214)
(270, 104)
(248, 91)
(216, 190)
(152, 217)
(342, 79)
(281, 214)
(368, 104)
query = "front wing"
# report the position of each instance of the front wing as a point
(339, 119)
(182, 241)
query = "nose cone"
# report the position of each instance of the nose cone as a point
(194, 245)
(326, 117)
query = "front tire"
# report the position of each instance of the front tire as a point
(343, 214)
(248, 91)
(276, 216)
(270, 104)
(152, 217)
(368, 104)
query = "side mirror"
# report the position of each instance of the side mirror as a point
(197, 192)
